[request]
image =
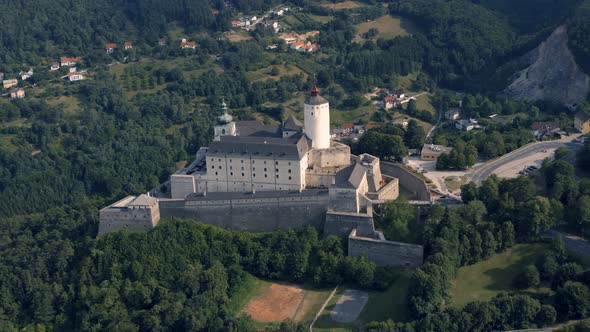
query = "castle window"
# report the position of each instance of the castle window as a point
(311, 113)
(265, 162)
(222, 131)
(254, 175)
(231, 173)
(215, 173)
(242, 174)
(277, 170)
(212, 166)
(289, 178)
(289, 163)
(276, 162)
(242, 168)
(219, 167)
(277, 176)
(230, 160)
(289, 171)
(265, 169)
(265, 175)
(231, 167)
(219, 159)
(253, 161)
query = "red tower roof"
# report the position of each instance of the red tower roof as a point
(314, 91)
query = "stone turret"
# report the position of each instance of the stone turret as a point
(317, 119)
(225, 125)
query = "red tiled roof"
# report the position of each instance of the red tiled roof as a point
(66, 59)
(110, 45)
(188, 43)
(347, 125)
(128, 44)
(390, 99)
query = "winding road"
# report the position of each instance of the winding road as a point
(482, 172)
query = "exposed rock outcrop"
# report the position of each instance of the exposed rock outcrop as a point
(550, 73)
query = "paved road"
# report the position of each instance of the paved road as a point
(572, 242)
(483, 172)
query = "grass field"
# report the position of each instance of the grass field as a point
(6, 144)
(486, 279)
(237, 36)
(342, 5)
(455, 183)
(389, 304)
(264, 73)
(71, 104)
(388, 26)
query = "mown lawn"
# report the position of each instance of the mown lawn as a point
(486, 279)
(388, 304)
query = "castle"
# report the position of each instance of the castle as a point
(260, 177)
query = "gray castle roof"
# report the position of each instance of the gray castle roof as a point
(143, 200)
(350, 176)
(272, 147)
(257, 128)
(292, 124)
(315, 100)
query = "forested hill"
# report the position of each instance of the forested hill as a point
(40, 28)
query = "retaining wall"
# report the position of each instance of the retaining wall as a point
(408, 180)
(383, 252)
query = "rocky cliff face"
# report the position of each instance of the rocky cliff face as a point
(550, 73)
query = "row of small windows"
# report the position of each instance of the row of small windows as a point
(253, 161)
(253, 175)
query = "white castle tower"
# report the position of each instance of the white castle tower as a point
(317, 119)
(225, 125)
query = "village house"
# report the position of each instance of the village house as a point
(347, 128)
(582, 122)
(432, 151)
(453, 114)
(7, 84)
(280, 10)
(188, 44)
(389, 102)
(402, 122)
(359, 129)
(162, 41)
(467, 125)
(26, 75)
(17, 93)
(304, 46)
(68, 62)
(110, 47)
(274, 25)
(54, 66)
(128, 45)
(74, 75)
(545, 129)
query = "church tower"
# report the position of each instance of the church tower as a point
(225, 125)
(317, 120)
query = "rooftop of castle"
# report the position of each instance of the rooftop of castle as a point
(314, 97)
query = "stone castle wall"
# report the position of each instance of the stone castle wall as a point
(141, 219)
(342, 223)
(383, 252)
(253, 214)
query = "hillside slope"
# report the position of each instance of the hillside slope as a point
(550, 73)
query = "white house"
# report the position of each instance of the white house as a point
(54, 66)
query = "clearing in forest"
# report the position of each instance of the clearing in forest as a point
(341, 5)
(388, 27)
(486, 279)
(275, 304)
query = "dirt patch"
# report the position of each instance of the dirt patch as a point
(275, 304)
(236, 37)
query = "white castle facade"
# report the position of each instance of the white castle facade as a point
(252, 156)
